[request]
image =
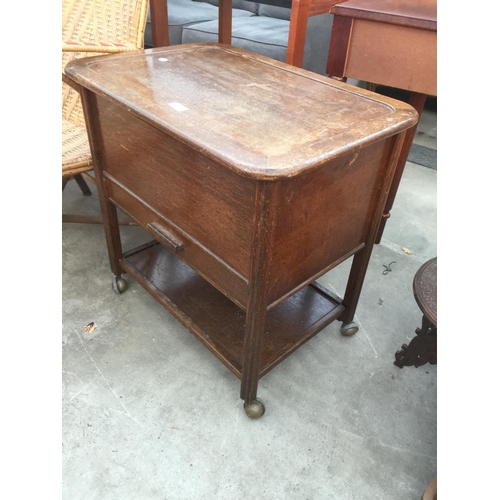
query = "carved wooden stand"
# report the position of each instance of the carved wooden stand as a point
(423, 348)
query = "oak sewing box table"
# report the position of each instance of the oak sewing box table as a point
(253, 177)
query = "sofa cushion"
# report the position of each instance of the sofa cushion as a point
(263, 35)
(277, 12)
(237, 4)
(319, 29)
(269, 36)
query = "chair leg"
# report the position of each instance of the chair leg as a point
(89, 178)
(83, 185)
(89, 219)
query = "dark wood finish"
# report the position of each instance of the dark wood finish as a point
(82, 185)
(309, 209)
(159, 22)
(208, 264)
(339, 47)
(164, 236)
(217, 322)
(254, 176)
(108, 210)
(391, 43)
(256, 129)
(259, 279)
(203, 199)
(225, 21)
(422, 349)
(425, 290)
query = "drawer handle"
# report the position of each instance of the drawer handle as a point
(166, 237)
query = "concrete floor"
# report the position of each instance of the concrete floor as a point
(150, 414)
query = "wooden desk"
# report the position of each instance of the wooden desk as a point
(253, 177)
(301, 11)
(392, 43)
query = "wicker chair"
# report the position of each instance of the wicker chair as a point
(90, 28)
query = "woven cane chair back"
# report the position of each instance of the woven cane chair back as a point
(90, 28)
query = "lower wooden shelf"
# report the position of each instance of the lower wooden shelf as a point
(219, 323)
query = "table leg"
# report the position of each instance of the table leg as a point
(82, 185)
(254, 334)
(417, 101)
(257, 301)
(225, 21)
(422, 349)
(353, 290)
(112, 231)
(362, 258)
(108, 210)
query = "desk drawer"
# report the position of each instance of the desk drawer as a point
(183, 245)
(413, 66)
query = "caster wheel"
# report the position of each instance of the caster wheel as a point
(119, 284)
(348, 329)
(254, 409)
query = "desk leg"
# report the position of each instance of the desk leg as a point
(417, 101)
(339, 46)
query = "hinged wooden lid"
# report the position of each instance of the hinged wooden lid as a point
(258, 116)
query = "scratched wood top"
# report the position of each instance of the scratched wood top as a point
(416, 13)
(260, 117)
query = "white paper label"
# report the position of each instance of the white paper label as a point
(177, 106)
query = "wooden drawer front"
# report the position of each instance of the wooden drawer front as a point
(397, 56)
(185, 247)
(204, 198)
(323, 216)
